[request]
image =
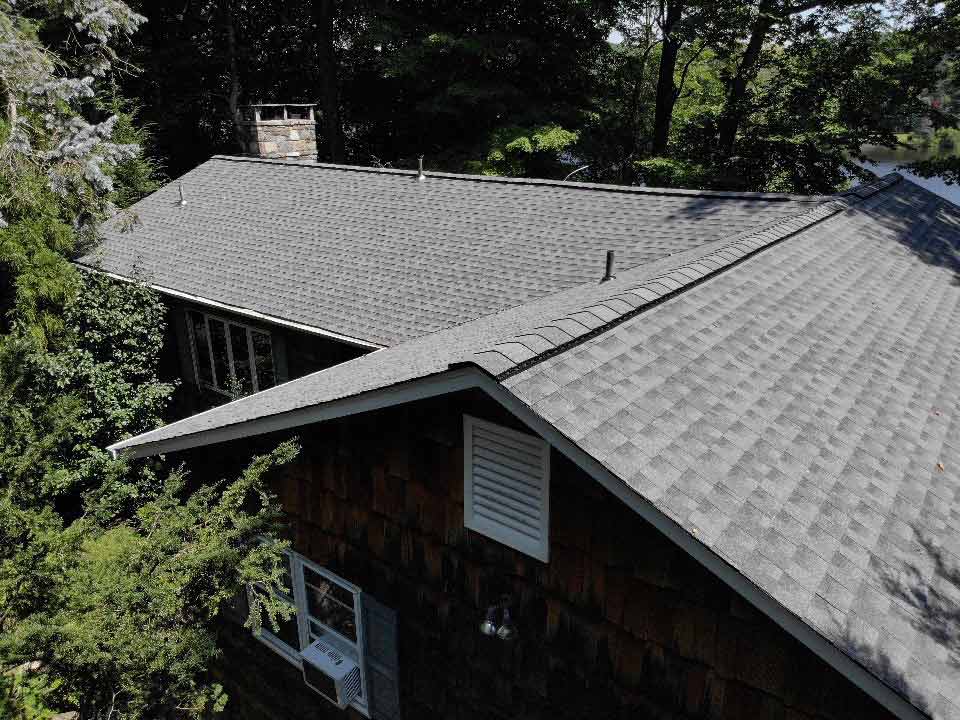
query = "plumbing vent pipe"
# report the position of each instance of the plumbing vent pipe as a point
(608, 272)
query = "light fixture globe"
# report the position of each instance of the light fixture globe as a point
(489, 626)
(507, 630)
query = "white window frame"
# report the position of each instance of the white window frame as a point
(227, 322)
(297, 563)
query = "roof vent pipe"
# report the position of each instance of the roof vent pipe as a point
(420, 174)
(608, 273)
(183, 200)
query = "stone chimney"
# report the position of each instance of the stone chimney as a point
(286, 131)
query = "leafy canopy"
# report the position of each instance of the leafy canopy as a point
(113, 573)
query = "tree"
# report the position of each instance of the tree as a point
(940, 28)
(670, 28)
(129, 625)
(328, 70)
(822, 96)
(95, 548)
(392, 80)
(528, 152)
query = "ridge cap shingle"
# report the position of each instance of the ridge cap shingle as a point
(670, 283)
(543, 182)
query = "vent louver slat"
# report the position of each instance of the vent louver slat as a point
(493, 475)
(506, 486)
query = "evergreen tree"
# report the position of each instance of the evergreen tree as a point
(112, 573)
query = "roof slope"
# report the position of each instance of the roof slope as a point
(793, 414)
(787, 397)
(377, 256)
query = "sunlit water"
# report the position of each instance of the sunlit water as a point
(886, 160)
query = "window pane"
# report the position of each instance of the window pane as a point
(263, 352)
(335, 590)
(220, 361)
(241, 357)
(286, 629)
(200, 347)
(325, 603)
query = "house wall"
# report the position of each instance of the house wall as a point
(619, 624)
(296, 354)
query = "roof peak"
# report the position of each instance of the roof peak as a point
(497, 179)
(518, 352)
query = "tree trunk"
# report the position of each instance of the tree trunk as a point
(666, 86)
(733, 109)
(329, 72)
(233, 71)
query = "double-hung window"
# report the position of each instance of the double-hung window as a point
(333, 610)
(230, 357)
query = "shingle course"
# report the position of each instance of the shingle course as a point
(789, 412)
(842, 347)
(380, 257)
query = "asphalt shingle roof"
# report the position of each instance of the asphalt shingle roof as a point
(790, 397)
(800, 415)
(378, 256)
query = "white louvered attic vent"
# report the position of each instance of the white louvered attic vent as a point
(506, 493)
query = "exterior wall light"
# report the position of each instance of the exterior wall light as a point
(489, 626)
(505, 630)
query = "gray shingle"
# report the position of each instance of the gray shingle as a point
(378, 256)
(841, 343)
(798, 437)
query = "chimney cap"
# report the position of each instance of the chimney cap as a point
(309, 104)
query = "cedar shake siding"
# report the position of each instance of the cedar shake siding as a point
(619, 624)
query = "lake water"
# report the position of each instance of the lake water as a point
(885, 160)
(950, 192)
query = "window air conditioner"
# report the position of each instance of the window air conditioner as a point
(331, 673)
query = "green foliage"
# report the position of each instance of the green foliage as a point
(62, 407)
(528, 152)
(130, 628)
(113, 574)
(672, 173)
(436, 78)
(947, 168)
(35, 246)
(22, 696)
(137, 176)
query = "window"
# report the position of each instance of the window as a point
(330, 608)
(506, 492)
(230, 357)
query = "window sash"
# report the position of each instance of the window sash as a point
(297, 564)
(339, 638)
(219, 384)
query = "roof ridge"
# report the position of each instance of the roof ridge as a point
(546, 182)
(529, 348)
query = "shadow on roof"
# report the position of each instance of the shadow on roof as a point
(926, 224)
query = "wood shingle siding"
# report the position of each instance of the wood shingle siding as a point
(619, 624)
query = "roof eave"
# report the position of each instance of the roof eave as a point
(466, 377)
(241, 311)
(417, 389)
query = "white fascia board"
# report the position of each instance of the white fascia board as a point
(420, 389)
(244, 312)
(472, 377)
